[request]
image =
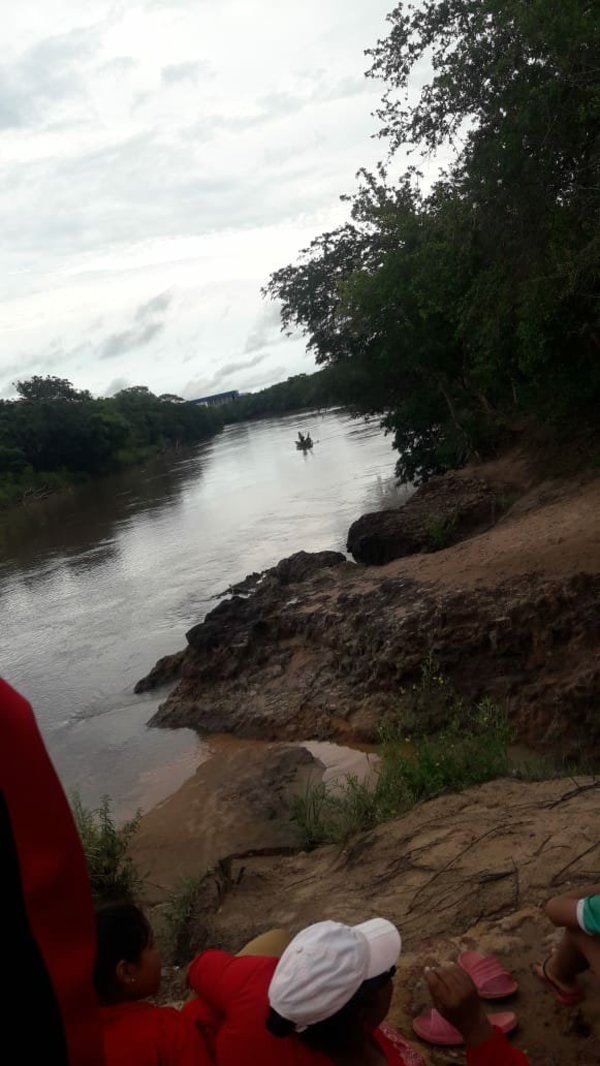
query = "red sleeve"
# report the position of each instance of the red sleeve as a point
(205, 977)
(181, 1043)
(497, 1051)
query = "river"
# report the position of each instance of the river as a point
(97, 584)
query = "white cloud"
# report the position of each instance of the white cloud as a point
(158, 160)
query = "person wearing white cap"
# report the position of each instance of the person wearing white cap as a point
(333, 988)
(325, 1000)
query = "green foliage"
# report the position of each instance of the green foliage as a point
(325, 388)
(480, 299)
(56, 434)
(440, 530)
(113, 875)
(467, 752)
(179, 912)
(471, 747)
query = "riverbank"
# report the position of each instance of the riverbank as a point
(318, 646)
(322, 647)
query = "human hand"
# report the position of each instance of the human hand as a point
(455, 996)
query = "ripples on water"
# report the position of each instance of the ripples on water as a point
(97, 585)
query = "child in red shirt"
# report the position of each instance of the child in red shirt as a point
(127, 972)
(325, 1002)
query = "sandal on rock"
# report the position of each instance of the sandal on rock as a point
(561, 995)
(434, 1029)
(490, 978)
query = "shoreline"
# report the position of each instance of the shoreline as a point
(319, 647)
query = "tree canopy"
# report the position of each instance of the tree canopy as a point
(56, 433)
(459, 306)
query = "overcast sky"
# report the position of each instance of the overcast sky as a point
(159, 158)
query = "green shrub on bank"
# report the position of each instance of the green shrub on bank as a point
(178, 915)
(472, 749)
(113, 875)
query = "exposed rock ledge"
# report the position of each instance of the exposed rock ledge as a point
(325, 658)
(319, 647)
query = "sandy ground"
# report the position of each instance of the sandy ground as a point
(553, 530)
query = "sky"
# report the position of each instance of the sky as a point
(158, 159)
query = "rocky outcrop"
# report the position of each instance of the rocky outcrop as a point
(164, 672)
(330, 661)
(441, 512)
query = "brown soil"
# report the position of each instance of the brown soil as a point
(457, 873)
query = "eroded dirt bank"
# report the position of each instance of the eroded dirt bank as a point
(320, 647)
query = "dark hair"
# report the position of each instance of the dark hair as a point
(122, 932)
(333, 1033)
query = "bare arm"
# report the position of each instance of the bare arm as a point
(562, 910)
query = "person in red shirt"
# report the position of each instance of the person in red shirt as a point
(49, 1010)
(127, 972)
(325, 1001)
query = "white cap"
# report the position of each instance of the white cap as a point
(325, 965)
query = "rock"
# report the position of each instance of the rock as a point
(166, 669)
(441, 512)
(332, 665)
(304, 565)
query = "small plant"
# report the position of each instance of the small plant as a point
(440, 530)
(113, 875)
(179, 913)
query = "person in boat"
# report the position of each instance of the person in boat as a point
(127, 973)
(325, 1002)
(301, 438)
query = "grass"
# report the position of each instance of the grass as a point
(178, 914)
(472, 747)
(440, 530)
(113, 875)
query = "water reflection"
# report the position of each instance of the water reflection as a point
(79, 526)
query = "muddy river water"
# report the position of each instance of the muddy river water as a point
(98, 584)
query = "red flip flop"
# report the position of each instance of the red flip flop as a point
(434, 1029)
(566, 999)
(490, 978)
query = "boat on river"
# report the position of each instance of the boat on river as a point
(304, 444)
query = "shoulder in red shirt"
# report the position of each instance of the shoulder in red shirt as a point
(138, 1034)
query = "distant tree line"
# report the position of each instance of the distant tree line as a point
(55, 434)
(458, 307)
(325, 388)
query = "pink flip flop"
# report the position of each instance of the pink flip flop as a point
(490, 978)
(566, 999)
(434, 1029)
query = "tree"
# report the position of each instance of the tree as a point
(458, 307)
(170, 397)
(37, 388)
